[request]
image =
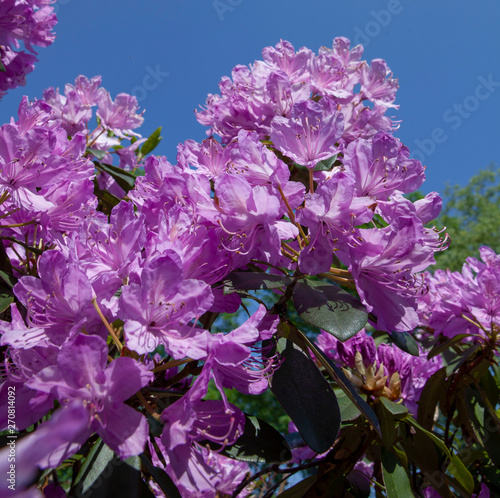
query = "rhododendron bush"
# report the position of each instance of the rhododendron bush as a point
(118, 269)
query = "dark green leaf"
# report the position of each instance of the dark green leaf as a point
(439, 348)
(331, 484)
(2, 68)
(125, 179)
(248, 280)
(259, 443)
(397, 484)
(107, 200)
(326, 164)
(97, 153)
(457, 362)
(340, 378)
(5, 302)
(388, 414)
(299, 489)
(161, 478)
(428, 434)
(490, 386)
(429, 398)
(10, 280)
(397, 410)
(405, 342)
(387, 426)
(103, 475)
(348, 409)
(151, 143)
(306, 396)
(330, 308)
(492, 477)
(484, 421)
(463, 477)
(422, 451)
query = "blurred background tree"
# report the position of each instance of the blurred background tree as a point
(471, 215)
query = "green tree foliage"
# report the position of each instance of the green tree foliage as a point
(471, 215)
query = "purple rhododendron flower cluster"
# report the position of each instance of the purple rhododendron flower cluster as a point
(117, 286)
(382, 370)
(23, 23)
(466, 301)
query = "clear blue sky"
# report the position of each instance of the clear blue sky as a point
(445, 54)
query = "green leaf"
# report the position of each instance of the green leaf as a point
(97, 153)
(397, 484)
(5, 301)
(10, 280)
(439, 348)
(388, 414)
(458, 470)
(306, 396)
(2, 68)
(107, 200)
(343, 382)
(152, 142)
(348, 409)
(484, 421)
(397, 410)
(125, 179)
(259, 443)
(300, 489)
(332, 484)
(460, 359)
(423, 452)
(387, 426)
(161, 478)
(249, 280)
(103, 475)
(405, 342)
(429, 398)
(430, 435)
(326, 164)
(330, 308)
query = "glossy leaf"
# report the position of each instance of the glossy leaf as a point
(397, 484)
(103, 475)
(484, 421)
(332, 484)
(248, 280)
(161, 478)
(405, 342)
(299, 490)
(97, 153)
(457, 362)
(259, 443)
(429, 398)
(8, 280)
(152, 142)
(463, 477)
(330, 308)
(5, 301)
(348, 409)
(422, 451)
(105, 198)
(125, 179)
(306, 396)
(397, 410)
(440, 348)
(343, 382)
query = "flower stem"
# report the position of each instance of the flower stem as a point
(171, 364)
(109, 328)
(148, 407)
